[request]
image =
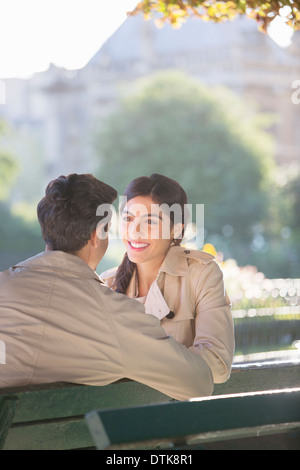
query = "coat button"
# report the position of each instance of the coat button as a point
(171, 315)
(187, 252)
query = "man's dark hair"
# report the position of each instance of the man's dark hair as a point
(67, 212)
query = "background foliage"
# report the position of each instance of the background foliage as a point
(217, 148)
(176, 11)
(19, 230)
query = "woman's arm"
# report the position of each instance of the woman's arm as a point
(214, 331)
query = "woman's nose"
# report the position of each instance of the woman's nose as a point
(135, 230)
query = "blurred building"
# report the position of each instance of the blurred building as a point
(64, 108)
(51, 107)
(233, 54)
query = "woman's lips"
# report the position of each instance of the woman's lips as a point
(138, 246)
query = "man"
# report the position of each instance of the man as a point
(59, 323)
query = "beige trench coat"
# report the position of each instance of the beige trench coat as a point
(191, 287)
(59, 323)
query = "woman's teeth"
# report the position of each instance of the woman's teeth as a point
(139, 245)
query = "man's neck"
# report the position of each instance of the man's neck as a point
(85, 254)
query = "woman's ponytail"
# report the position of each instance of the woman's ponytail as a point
(124, 275)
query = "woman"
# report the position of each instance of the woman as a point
(183, 288)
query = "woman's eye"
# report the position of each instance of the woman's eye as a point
(126, 218)
(152, 222)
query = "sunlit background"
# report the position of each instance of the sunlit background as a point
(67, 33)
(83, 88)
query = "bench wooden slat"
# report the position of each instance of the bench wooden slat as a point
(52, 401)
(64, 434)
(279, 437)
(52, 416)
(178, 421)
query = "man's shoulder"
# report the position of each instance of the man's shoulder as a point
(9, 272)
(4, 275)
(25, 262)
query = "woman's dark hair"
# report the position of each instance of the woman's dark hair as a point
(163, 190)
(67, 212)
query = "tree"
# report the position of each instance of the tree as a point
(264, 12)
(294, 192)
(293, 228)
(8, 167)
(19, 238)
(203, 138)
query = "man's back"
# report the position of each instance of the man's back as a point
(50, 312)
(60, 324)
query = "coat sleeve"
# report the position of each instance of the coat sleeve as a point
(154, 359)
(214, 331)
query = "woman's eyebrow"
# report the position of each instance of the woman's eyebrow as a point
(153, 215)
(146, 216)
(127, 212)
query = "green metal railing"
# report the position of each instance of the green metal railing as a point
(266, 329)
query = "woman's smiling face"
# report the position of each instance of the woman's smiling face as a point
(146, 230)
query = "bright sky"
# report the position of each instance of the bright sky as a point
(34, 33)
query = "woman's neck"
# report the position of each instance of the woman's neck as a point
(147, 273)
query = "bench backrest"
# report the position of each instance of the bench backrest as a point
(52, 416)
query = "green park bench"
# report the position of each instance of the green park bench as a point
(52, 416)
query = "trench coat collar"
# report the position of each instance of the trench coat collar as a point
(175, 264)
(59, 261)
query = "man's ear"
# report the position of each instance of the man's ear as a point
(94, 238)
